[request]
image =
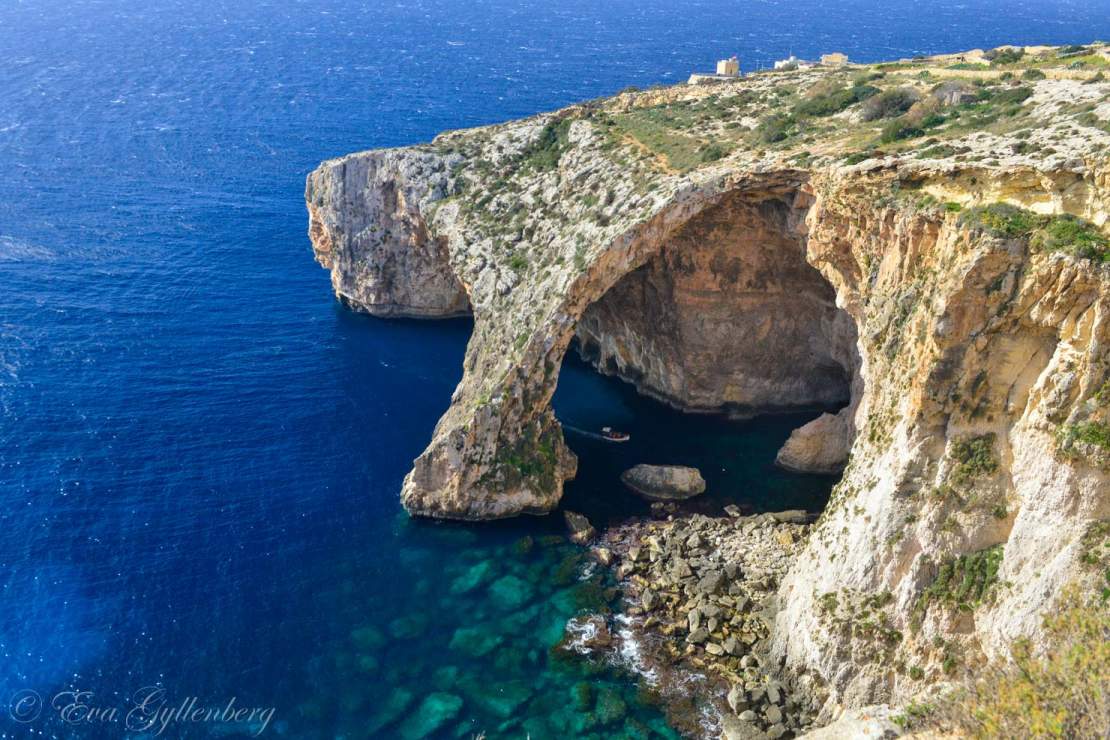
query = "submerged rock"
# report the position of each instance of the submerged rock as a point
(390, 710)
(510, 592)
(368, 638)
(500, 699)
(435, 711)
(474, 577)
(610, 706)
(586, 634)
(474, 641)
(664, 482)
(408, 627)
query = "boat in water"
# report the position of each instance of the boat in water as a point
(612, 435)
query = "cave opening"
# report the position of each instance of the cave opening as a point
(709, 355)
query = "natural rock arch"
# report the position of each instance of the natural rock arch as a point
(962, 335)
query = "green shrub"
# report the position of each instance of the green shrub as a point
(828, 103)
(974, 457)
(544, 153)
(1073, 236)
(963, 583)
(1033, 74)
(775, 128)
(857, 157)
(898, 130)
(1092, 433)
(1002, 57)
(518, 262)
(712, 152)
(933, 120)
(1073, 50)
(888, 104)
(1012, 95)
(1003, 219)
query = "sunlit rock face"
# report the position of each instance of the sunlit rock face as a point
(367, 228)
(972, 358)
(727, 317)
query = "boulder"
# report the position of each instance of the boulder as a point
(821, 446)
(664, 482)
(791, 516)
(737, 699)
(581, 531)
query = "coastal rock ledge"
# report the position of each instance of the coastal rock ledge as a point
(933, 264)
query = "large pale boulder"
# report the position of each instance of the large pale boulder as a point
(821, 446)
(664, 482)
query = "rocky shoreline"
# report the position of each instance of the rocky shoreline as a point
(699, 601)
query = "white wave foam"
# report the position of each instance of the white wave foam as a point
(631, 651)
(18, 250)
(582, 632)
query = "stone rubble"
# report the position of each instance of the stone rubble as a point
(700, 592)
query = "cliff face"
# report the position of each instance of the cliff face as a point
(977, 355)
(746, 247)
(373, 237)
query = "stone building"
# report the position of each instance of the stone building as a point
(836, 59)
(728, 67)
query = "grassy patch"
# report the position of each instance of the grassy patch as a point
(889, 103)
(900, 129)
(1073, 236)
(963, 583)
(546, 151)
(826, 103)
(680, 150)
(667, 131)
(974, 457)
(1065, 233)
(775, 128)
(1096, 553)
(1087, 440)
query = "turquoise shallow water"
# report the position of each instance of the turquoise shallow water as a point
(200, 452)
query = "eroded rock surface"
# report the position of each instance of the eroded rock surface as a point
(729, 316)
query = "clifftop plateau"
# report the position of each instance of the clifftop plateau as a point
(921, 242)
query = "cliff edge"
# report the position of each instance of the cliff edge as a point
(921, 242)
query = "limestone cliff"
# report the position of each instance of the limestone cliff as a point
(919, 243)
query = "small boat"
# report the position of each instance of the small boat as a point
(612, 435)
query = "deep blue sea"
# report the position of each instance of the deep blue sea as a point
(200, 451)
